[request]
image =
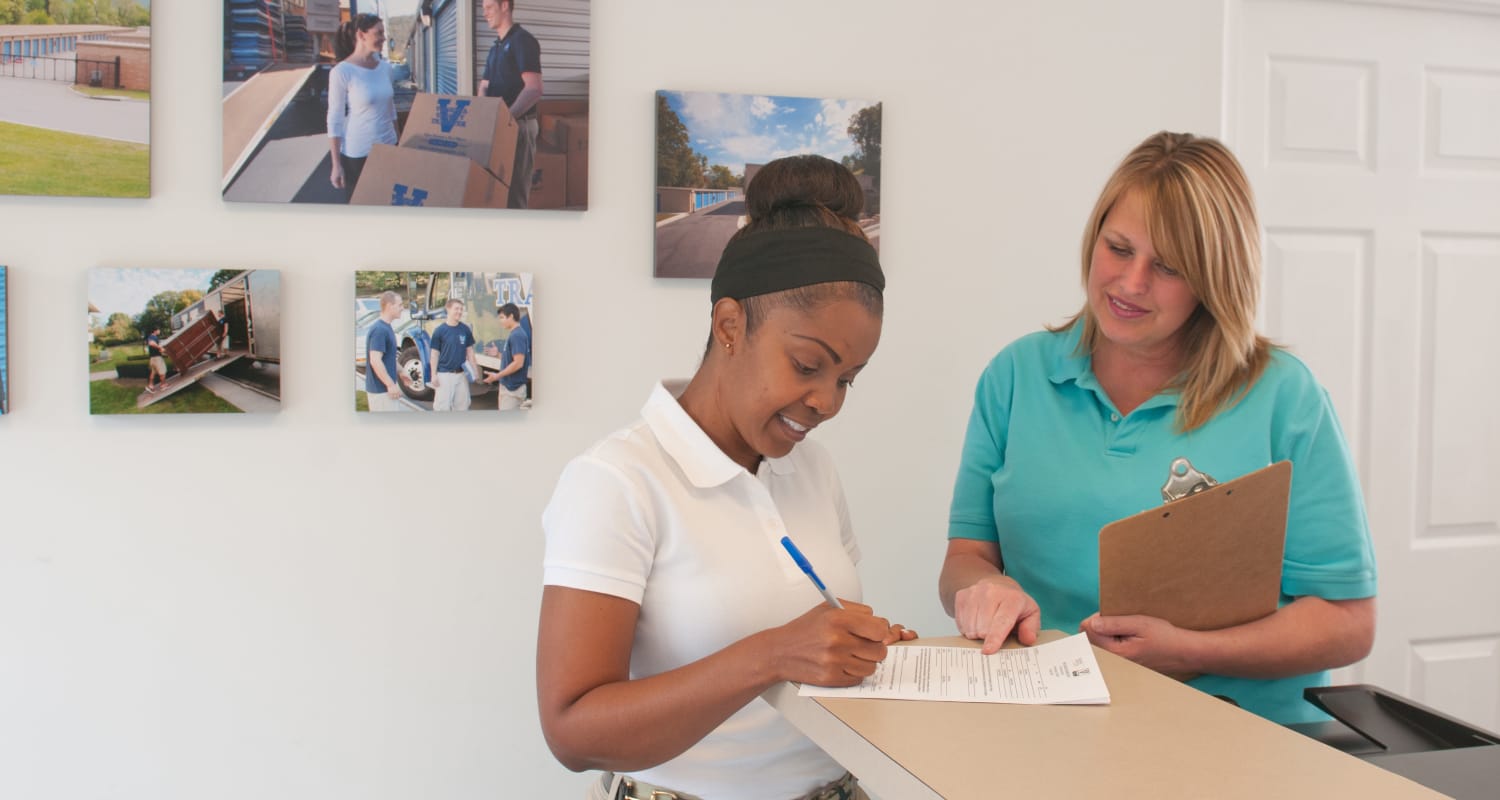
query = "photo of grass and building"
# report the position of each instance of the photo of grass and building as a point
(709, 146)
(215, 336)
(75, 97)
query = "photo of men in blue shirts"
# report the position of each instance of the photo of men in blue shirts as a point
(515, 355)
(452, 349)
(381, 390)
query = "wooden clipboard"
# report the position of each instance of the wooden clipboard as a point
(1207, 561)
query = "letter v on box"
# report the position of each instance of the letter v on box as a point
(406, 176)
(478, 128)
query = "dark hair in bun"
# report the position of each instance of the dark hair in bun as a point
(807, 191)
(800, 194)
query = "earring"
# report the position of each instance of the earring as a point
(729, 348)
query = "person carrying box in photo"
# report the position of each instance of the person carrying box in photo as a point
(515, 354)
(513, 73)
(452, 348)
(157, 361)
(223, 320)
(381, 390)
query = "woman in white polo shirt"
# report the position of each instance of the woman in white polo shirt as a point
(361, 99)
(670, 604)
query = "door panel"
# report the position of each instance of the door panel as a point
(1372, 135)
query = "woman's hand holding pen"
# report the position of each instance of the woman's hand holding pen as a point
(833, 646)
(992, 607)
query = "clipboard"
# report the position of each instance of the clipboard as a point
(1206, 561)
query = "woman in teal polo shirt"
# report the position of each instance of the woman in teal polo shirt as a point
(1075, 427)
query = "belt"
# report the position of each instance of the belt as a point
(631, 789)
(451, 371)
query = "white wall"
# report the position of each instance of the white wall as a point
(262, 606)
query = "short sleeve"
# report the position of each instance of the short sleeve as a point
(972, 513)
(1328, 549)
(531, 55)
(598, 536)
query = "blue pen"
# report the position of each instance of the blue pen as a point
(786, 541)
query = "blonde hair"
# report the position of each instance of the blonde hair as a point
(1200, 214)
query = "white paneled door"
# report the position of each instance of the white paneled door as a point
(1372, 135)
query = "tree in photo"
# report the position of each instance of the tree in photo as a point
(676, 163)
(721, 177)
(11, 11)
(374, 282)
(222, 277)
(159, 309)
(864, 130)
(120, 329)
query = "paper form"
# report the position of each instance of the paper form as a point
(1060, 672)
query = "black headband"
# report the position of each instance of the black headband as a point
(774, 261)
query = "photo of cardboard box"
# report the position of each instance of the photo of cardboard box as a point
(549, 179)
(477, 128)
(547, 134)
(573, 132)
(405, 176)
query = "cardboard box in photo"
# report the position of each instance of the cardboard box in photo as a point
(572, 137)
(549, 179)
(403, 176)
(477, 128)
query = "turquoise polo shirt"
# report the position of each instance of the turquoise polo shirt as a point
(1048, 460)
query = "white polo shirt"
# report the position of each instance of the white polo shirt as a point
(657, 514)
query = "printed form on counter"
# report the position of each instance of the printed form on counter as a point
(1063, 672)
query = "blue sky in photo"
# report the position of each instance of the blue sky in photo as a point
(127, 290)
(736, 129)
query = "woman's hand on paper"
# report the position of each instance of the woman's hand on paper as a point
(899, 633)
(830, 646)
(993, 607)
(1151, 642)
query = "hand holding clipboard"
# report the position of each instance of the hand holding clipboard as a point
(1209, 560)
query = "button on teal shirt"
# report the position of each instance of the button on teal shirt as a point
(1048, 460)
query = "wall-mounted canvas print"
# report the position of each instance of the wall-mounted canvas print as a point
(442, 341)
(4, 350)
(449, 103)
(75, 97)
(184, 341)
(709, 146)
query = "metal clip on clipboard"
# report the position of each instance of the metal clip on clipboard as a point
(1183, 480)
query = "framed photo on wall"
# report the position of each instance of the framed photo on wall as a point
(443, 341)
(709, 146)
(58, 61)
(412, 103)
(4, 348)
(184, 341)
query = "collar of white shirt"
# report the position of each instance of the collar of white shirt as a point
(704, 464)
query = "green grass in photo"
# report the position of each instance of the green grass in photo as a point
(130, 94)
(361, 401)
(119, 354)
(41, 161)
(110, 397)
